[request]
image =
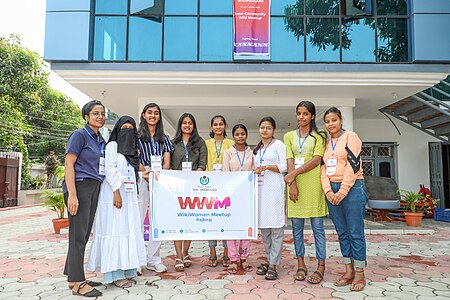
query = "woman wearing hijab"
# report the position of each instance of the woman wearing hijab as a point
(118, 248)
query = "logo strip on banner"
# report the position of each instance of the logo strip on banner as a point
(195, 206)
(251, 29)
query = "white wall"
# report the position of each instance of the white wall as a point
(412, 156)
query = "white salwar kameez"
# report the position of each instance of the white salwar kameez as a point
(118, 243)
(271, 195)
(272, 200)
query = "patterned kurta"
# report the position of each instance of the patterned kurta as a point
(311, 199)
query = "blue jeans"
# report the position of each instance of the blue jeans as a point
(348, 219)
(213, 243)
(298, 225)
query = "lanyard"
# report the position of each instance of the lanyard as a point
(333, 146)
(239, 158)
(218, 151)
(187, 153)
(101, 146)
(261, 156)
(299, 140)
(154, 147)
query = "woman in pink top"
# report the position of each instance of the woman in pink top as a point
(235, 159)
(343, 184)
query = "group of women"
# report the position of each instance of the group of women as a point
(322, 175)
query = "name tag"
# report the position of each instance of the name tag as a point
(261, 178)
(156, 163)
(129, 184)
(217, 167)
(299, 161)
(102, 166)
(331, 166)
(186, 166)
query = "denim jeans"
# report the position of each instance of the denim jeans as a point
(348, 219)
(213, 243)
(298, 225)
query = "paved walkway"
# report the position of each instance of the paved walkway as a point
(401, 266)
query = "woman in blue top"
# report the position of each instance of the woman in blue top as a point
(84, 173)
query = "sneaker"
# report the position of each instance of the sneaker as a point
(158, 268)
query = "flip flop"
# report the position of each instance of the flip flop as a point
(233, 268)
(187, 261)
(315, 278)
(262, 269)
(180, 266)
(361, 282)
(300, 275)
(122, 283)
(212, 261)
(226, 262)
(343, 281)
(246, 266)
(271, 274)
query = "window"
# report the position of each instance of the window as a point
(216, 39)
(145, 38)
(110, 38)
(379, 159)
(180, 38)
(301, 31)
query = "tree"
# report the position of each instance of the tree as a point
(324, 32)
(34, 118)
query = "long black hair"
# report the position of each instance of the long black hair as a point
(274, 125)
(312, 110)
(236, 127)
(211, 133)
(87, 108)
(194, 139)
(144, 133)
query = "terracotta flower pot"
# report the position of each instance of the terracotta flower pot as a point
(60, 223)
(413, 219)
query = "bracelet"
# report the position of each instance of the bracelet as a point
(303, 170)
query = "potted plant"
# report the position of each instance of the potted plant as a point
(418, 206)
(55, 200)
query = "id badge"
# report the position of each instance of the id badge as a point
(129, 184)
(101, 166)
(156, 163)
(261, 178)
(331, 166)
(217, 167)
(299, 161)
(186, 166)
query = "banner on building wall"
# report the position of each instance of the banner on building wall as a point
(252, 29)
(203, 205)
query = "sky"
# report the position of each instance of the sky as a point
(27, 19)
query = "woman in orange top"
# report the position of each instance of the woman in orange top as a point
(343, 184)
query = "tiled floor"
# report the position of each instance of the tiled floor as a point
(402, 264)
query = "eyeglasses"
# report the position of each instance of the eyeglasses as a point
(266, 128)
(98, 114)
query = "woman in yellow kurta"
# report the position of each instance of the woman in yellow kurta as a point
(305, 147)
(215, 147)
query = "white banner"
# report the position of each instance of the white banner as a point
(203, 205)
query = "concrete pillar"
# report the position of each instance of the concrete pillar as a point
(347, 117)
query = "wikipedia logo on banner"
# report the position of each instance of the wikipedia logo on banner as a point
(204, 180)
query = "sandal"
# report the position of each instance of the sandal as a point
(301, 274)
(91, 294)
(343, 281)
(232, 268)
(316, 277)
(360, 282)
(212, 261)
(226, 262)
(187, 261)
(246, 266)
(271, 274)
(262, 269)
(90, 283)
(180, 266)
(122, 283)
